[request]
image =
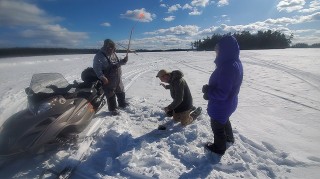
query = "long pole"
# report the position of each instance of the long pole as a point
(126, 48)
(129, 41)
(141, 15)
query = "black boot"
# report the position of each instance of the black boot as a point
(219, 144)
(229, 133)
(112, 105)
(122, 100)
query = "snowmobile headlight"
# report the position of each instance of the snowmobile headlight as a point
(44, 107)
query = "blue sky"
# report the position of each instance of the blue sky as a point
(158, 24)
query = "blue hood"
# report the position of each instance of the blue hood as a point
(228, 50)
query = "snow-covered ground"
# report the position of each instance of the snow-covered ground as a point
(276, 125)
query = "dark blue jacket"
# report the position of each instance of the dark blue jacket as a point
(225, 81)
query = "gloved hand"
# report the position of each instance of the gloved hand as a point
(205, 96)
(169, 113)
(125, 60)
(75, 84)
(205, 88)
(163, 85)
(104, 80)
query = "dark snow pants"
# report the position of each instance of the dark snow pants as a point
(221, 132)
(114, 90)
(112, 101)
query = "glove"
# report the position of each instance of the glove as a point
(205, 88)
(205, 96)
(75, 84)
(163, 85)
(169, 113)
(125, 60)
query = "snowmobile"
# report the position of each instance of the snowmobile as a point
(56, 111)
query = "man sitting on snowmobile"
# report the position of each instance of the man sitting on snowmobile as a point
(107, 67)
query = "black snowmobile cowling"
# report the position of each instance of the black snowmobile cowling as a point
(56, 110)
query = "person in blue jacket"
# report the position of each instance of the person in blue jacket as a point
(222, 92)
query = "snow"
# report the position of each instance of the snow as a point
(276, 125)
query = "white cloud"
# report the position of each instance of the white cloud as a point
(174, 8)
(29, 25)
(192, 7)
(163, 5)
(19, 13)
(187, 6)
(202, 3)
(252, 28)
(313, 6)
(162, 42)
(177, 30)
(294, 20)
(139, 15)
(106, 24)
(280, 24)
(170, 18)
(290, 5)
(53, 35)
(195, 12)
(281, 21)
(223, 3)
(310, 18)
(308, 36)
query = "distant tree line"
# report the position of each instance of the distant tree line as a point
(19, 52)
(304, 45)
(261, 40)
(16, 52)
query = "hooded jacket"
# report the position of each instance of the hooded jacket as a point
(225, 81)
(180, 93)
(110, 67)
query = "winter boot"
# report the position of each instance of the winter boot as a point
(122, 100)
(211, 147)
(230, 139)
(229, 133)
(194, 114)
(112, 105)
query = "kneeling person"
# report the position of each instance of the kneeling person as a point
(181, 108)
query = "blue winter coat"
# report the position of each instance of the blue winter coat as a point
(225, 81)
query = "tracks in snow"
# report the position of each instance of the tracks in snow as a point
(279, 92)
(300, 96)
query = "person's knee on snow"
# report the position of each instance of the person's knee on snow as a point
(183, 117)
(182, 102)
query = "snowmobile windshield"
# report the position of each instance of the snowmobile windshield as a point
(48, 83)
